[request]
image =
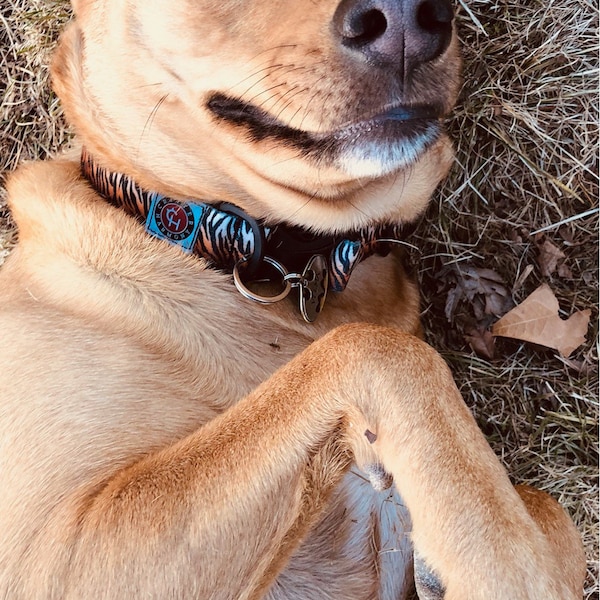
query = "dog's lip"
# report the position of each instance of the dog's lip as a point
(402, 113)
(239, 112)
(398, 119)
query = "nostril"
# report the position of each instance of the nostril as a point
(434, 28)
(364, 27)
(374, 25)
(435, 16)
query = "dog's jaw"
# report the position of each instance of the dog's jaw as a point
(145, 135)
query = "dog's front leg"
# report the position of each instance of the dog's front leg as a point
(217, 514)
(476, 537)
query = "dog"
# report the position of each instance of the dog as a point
(211, 364)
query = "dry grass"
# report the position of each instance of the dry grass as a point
(526, 132)
(30, 115)
(527, 136)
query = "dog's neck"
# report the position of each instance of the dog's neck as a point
(231, 240)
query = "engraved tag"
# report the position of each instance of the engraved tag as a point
(313, 287)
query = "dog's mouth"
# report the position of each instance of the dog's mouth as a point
(390, 139)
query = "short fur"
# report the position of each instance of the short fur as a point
(163, 437)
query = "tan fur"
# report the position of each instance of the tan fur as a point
(163, 437)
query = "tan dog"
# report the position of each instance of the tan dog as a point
(163, 436)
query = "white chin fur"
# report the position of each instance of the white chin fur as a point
(366, 159)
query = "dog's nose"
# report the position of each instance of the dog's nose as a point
(396, 33)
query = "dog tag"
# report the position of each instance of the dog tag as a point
(313, 287)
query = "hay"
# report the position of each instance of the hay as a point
(30, 115)
(526, 132)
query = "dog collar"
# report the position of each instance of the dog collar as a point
(253, 251)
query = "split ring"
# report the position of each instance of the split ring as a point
(249, 294)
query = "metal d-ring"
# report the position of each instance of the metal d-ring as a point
(249, 294)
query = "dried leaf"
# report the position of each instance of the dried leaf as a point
(564, 271)
(452, 300)
(536, 320)
(497, 303)
(490, 285)
(482, 342)
(483, 288)
(522, 277)
(567, 235)
(549, 258)
(579, 366)
(480, 281)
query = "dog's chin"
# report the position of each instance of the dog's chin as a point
(389, 141)
(371, 156)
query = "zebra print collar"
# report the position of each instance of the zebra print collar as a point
(251, 250)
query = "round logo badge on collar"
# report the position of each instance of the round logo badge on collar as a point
(176, 222)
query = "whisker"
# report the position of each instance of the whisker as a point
(150, 120)
(257, 72)
(273, 87)
(272, 49)
(358, 210)
(147, 85)
(303, 206)
(290, 99)
(295, 113)
(310, 100)
(325, 103)
(269, 70)
(289, 69)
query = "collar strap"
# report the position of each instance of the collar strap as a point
(228, 238)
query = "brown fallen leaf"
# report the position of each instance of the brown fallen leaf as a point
(482, 288)
(482, 342)
(536, 320)
(564, 272)
(568, 236)
(550, 256)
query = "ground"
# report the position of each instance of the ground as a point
(519, 209)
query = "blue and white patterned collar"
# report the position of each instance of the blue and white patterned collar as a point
(230, 240)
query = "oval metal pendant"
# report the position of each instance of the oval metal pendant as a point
(313, 287)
